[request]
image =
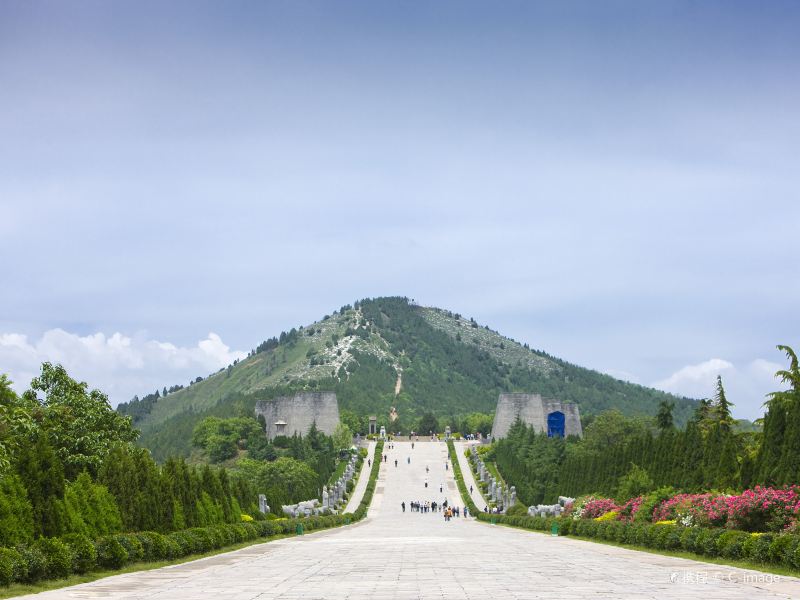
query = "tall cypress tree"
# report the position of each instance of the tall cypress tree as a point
(664, 416)
(722, 408)
(42, 474)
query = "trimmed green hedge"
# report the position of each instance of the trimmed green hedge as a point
(459, 477)
(363, 506)
(782, 549)
(52, 558)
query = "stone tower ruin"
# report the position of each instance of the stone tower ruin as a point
(544, 414)
(288, 415)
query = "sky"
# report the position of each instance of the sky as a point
(615, 183)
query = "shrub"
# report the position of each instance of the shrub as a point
(111, 554)
(634, 483)
(132, 546)
(650, 501)
(154, 544)
(689, 538)
(34, 561)
(759, 549)
(202, 540)
(707, 541)
(57, 555)
(609, 516)
(12, 566)
(790, 550)
(730, 544)
(84, 554)
(518, 510)
(172, 547)
(796, 557)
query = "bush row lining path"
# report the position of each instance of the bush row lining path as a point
(361, 482)
(393, 555)
(466, 473)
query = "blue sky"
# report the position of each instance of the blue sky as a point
(614, 183)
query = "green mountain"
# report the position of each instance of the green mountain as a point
(382, 353)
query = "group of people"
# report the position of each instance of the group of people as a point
(432, 506)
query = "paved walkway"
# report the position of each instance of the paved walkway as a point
(466, 471)
(361, 482)
(392, 555)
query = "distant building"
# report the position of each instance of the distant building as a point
(545, 415)
(288, 415)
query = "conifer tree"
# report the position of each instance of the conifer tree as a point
(722, 408)
(664, 416)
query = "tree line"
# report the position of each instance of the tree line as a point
(621, 456)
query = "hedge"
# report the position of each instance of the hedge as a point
(50, 558)
(363, 506)
(459, 477)
(761, 548)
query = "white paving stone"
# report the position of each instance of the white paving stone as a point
(392, 555)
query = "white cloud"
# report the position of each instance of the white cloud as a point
(745, 386)
(693, 380)
(118, 364)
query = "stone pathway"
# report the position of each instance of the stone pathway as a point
(396, 555)
(361, 483)
(466, 471)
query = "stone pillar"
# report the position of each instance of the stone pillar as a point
(325, 498)
(263, 507)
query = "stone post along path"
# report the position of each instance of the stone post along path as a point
(395, 555)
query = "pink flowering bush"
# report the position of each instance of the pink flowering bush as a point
(762, 509)
(628, 510)
(597, 507)
(689, 510)
(757, 510)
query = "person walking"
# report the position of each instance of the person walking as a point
(409, 460)
(470, 490)
(403, 504)
(395, 463)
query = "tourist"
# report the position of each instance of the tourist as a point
(395, 463)
(466, 512)
(409, 460)
(440, 488)
(470, 490)
(403, 504)
(426, 468)
(369, 463)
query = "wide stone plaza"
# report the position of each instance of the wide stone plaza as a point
(395, 555)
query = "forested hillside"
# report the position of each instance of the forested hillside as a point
(382, 353)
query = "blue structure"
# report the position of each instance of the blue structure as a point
(555, 424)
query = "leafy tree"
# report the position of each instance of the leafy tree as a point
(87, 426)
(342, 437)
(16, 424)
(428, 423)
